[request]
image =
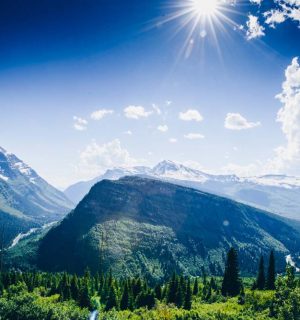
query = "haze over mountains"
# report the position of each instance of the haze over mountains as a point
(150, 227)
(276, 193)
(26, 200)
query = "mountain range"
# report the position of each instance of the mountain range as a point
(26, 200)
(276, 193)
(151, 227)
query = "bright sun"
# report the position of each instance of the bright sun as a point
(202, 19)
(204, 7)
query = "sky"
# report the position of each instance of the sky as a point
(87, 85)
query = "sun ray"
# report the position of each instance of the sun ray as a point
(201, 18)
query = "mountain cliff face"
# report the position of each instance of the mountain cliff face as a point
(276, 193)
(145, 226)
(26, 200)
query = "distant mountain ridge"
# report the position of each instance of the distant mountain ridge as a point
(26, 200)
(151, 227)
(276, 193)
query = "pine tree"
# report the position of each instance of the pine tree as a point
(204, 280)
(74, 288)
(271, 277)
(124, 303)
(112, 299)
(290, 277)
(145, 299)
(180, 292)
(196, 287)
(261, 280)
(188, 296)
(172, 289)
(231, 284)
(85, 295)
(158, 292)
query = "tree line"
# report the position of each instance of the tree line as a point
(133, 293)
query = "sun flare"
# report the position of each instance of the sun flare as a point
(204, 7)
(201, 19)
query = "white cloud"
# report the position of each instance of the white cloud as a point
(282, 11)
(194, 136)
(79, 124)
(136, 112)
(172, 140)
(235, 121)
(191, 115)
(274, 17)
(128, 132)
(163, 128)
(95, 158)
(168, 103)
(254, 29)
(156, 109)
(100, 114)
(288, 156)
(258, 2)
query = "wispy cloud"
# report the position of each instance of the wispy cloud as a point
(163, 128)
(235, 121)
(79, 124)
(194, 136)
(191, 115)
(100, 114)
(172, 140)
(136, 112)
(156, 109)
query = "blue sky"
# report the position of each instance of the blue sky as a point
(160, 93)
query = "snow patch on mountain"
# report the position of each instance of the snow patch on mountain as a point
(3, 177)
(282, 181)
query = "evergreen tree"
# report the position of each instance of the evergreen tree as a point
(85, 295)
(290, 277)
(112, 299)
(188, 296)
(180, 292)
(261, 280)
(124, 303)
(204, 279)
(172, 289)
(158, 292)
(271, 277)
(145, 299)
(196, 287)
(74, 288)
(231, 284)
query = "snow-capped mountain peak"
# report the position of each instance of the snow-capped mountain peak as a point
(12, 167)
(173, 170)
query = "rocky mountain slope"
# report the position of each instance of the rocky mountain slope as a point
(26, 200)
